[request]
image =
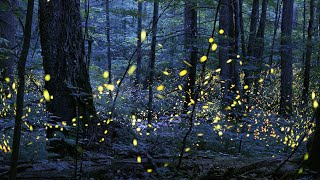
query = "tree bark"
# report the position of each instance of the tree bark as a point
(64, 60)
(250, 59)
(224, 49)
(276, 25)
(259, 49)
(234, 33)
(139, 44)
(253, 28)
(260, 34)
(286, 59)
(314, 158)
(20, 93)
(152, 58)
(109, 58)
(306, 80)
(190, 27)
(243, 42)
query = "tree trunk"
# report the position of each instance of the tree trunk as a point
(243, 44)
(234, 33)
(260, 34)
(306, 80)
(108, 40)
(314, 158)
(276, 25)
(139, 44)
(250, 59)
(318, 14)
(190, 27)
(253, 28)
(20, 93)
(286, 58)
(224, 49)
(258, 53)
(7, 31)
(64, 60)
(304, 28)
(152, 58)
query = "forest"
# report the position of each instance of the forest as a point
(150, 89)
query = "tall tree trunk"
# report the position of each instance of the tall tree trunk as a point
(253, 28)
(64, 60)
(224, 49)
(234, 33)
(276, 25)
(243, 41)
(260, 33)
(306, 80)
(250, 59)
(190, 27)
(314, 158)
(258, 53)
(7, 31)
(304, 28)
(286, 58)
(139, 44)
(21, 87)
(152, 58)
(318, 29)
(108, 40)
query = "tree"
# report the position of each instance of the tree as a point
(314, 159)
(190, 28)
(243, 44)
(152, 58)
(251, 43)
(286, 58)
(7, 32)
(235, 35)
(224, 48)
(65, 66)
(275, 29)
(258, 53)
(139, 44)
(20, 93)
(109, 58)
(306, 80)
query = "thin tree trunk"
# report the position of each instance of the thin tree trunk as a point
(253, 27)
(260, 34)
(152, 58)
(243, 41)
(286, 59)
(139, 44)
(235, 35)
(306, 80)
(108, 40)
(20, 93)
(190, 26)
(276, 25)
(258, 53)
(304, 29)
(250, 59)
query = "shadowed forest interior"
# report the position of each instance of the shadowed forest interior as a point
(150, 89)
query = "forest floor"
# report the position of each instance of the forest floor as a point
(96, 165)
(210, 159)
